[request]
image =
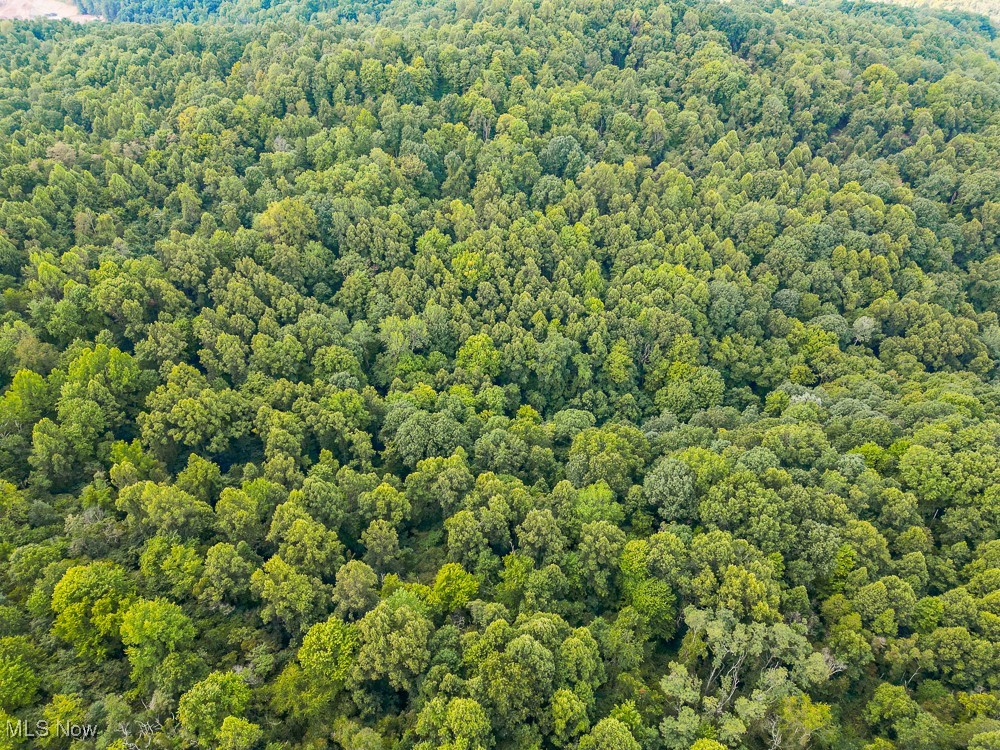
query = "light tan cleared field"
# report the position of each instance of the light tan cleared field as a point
(26, 9)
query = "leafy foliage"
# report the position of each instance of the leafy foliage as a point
(480, 376)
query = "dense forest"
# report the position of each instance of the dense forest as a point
(470, 375)
(984, 7)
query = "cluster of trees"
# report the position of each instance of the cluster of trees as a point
(149, 11)
(557, 375)
(981, 7)
(235, 11)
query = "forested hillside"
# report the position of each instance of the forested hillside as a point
(243, 11)
(989, 8)
(557, 375)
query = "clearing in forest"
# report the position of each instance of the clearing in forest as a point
(27, 9)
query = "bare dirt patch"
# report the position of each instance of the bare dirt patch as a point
(27, 9)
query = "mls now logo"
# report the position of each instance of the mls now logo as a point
(46, 729)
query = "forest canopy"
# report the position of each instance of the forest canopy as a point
(556, 375)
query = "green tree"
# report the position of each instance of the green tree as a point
(289, 597)
(394, 641)
(89, 602)
(205, 707)
(153, 631)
